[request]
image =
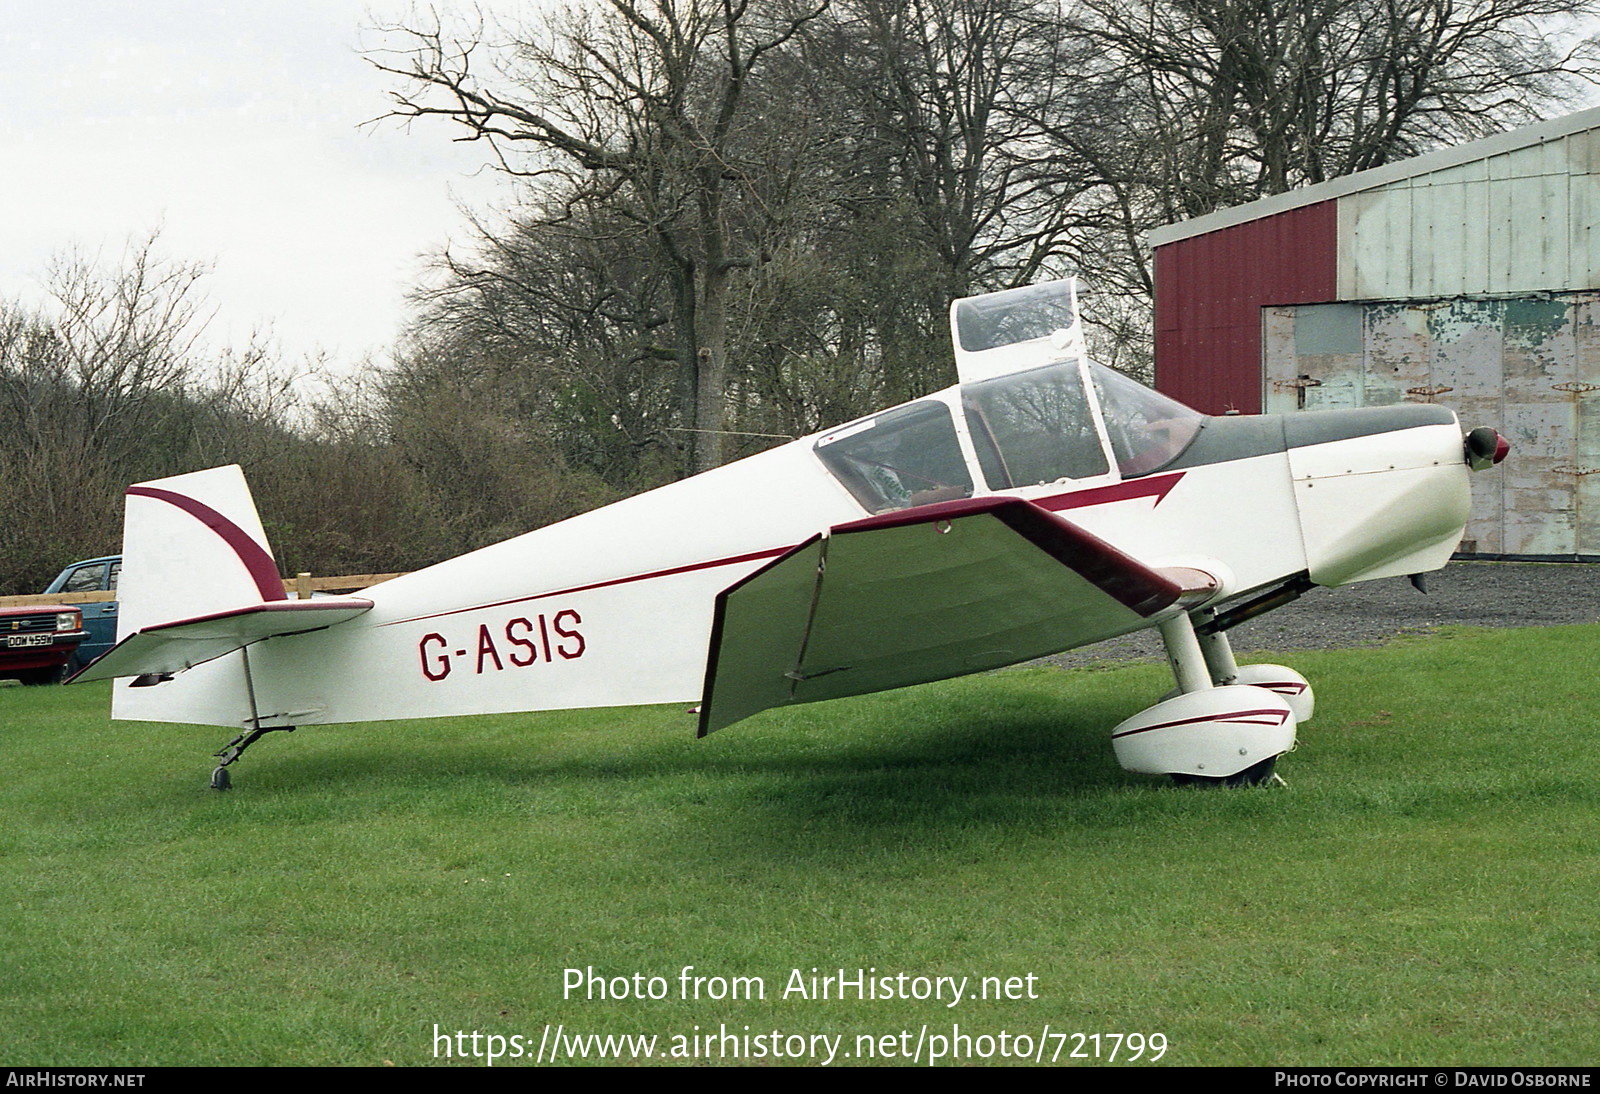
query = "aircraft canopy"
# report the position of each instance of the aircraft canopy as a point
(1060, 423)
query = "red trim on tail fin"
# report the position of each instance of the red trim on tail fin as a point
(263, 570)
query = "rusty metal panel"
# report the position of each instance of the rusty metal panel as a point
(1541, 408)
(1328, 329)
(1398, 354)
(1468, 354)
(1280, 361)
(1468, 344)
(1529, 367)
(1586, 346)
(1327, 349)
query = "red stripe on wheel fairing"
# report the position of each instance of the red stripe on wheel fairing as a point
(1291, 687)
(1268, 717)
(263, 570)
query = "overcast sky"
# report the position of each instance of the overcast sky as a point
(234, 128)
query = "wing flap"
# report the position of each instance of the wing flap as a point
(924, 594)
(182, 644)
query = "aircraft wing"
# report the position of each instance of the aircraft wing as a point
(173, 647)
(924, 594)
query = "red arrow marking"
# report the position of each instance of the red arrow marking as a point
(1157, 487)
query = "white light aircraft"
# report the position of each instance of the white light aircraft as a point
(1045, 502)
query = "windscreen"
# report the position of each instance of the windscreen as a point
(1147, 429)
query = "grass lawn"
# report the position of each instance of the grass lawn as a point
(1424, 891)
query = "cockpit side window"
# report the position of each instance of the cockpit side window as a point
(899, 459)
(1034, 427)
(1147, 429)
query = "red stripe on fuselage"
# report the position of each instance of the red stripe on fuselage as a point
(1157, 487)
(751, 557)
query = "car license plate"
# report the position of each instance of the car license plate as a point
(15, 641)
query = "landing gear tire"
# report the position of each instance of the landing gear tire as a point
(1259, 774)
(220, 779)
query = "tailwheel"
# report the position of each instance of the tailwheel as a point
(220, 779)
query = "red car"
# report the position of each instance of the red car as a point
(37, 641)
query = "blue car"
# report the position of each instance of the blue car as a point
(92, 575)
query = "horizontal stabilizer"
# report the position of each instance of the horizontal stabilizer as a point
(925, 594)
(173, 647)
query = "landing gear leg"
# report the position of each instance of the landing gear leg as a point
(1218, 651)
(1185, 654)
(220, 780)
(1216, 648)
(235, 748)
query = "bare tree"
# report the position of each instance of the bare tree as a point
(1237, 99)
(956, 91)
(646, 104)
(938, 181)
(568, 319)
(98, 372)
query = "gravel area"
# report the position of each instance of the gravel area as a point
(1478, 594)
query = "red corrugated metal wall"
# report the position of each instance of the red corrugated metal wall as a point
(1210, 290)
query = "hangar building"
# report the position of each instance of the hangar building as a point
(1468, 277)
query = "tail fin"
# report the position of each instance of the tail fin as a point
(192, 545)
